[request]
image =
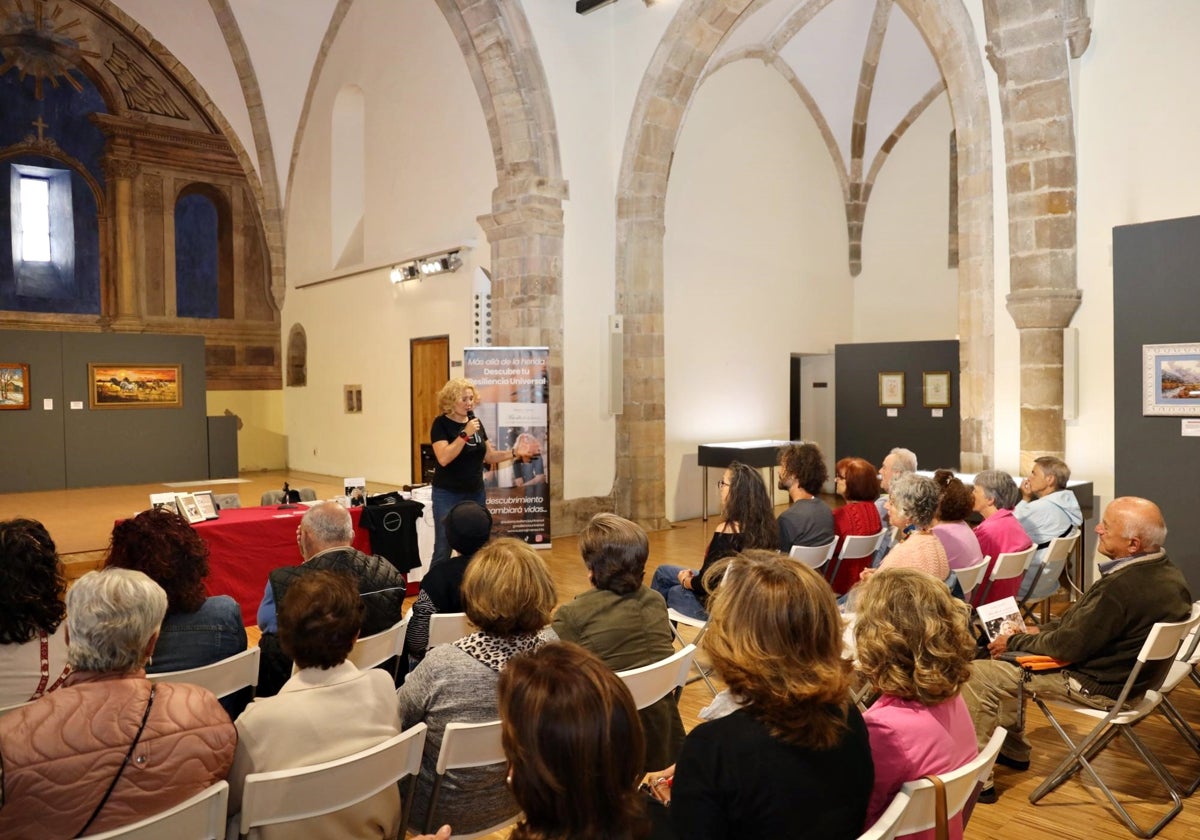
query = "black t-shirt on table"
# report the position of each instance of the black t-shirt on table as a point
(465, 473)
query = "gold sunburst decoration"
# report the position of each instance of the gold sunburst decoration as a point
(37, 42)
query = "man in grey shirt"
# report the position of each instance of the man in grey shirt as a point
(809, 521)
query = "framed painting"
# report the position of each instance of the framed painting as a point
(134, 386)
(14, 385)
(1171, 380)
(891, 389)
(935, 389)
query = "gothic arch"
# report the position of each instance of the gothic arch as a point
(663, 99)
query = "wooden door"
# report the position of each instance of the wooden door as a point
(429, 370)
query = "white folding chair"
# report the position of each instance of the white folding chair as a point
(1008, 565)
(282, 796)
(227, 501)
(650, 683)
(1045, 582)
(962, 787)
(969, 577)
(888, 824)
(855, 548)
(271, 497)
(1182, 668)
(701, 624)
(221, 678)
(467, 745)
(448, 627)
(1162, 643)
(370, 651)
(815, 556)
(202, 817)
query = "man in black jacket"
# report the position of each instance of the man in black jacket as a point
(325, 536)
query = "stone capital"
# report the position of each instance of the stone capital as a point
(114, 167)
(1043, 308)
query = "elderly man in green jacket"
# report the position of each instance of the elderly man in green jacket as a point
(1100, 635)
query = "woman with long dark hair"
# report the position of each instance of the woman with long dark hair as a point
(748, 521)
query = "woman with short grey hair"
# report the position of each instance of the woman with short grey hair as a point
(121, 748)
(912, 503)
(996, 494)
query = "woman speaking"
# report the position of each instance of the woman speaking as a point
(461, 447)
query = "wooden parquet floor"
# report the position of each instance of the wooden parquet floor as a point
(80, 522)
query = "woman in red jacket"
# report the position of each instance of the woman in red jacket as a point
(856, 481)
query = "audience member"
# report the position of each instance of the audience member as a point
(999, 533)
(468, 527)
(328, 709)
(914, 646)
(1100, 635)
(325, 537)
(783, 751)
(808, 521)
(1047, 510)
(911, 507)
(109, 748)
(857, 482)
(623, 622)
(895, 464)
(198, 630)
(574, 747)
(508, 594)
(955, 503)
(33, 642)
(748, 521)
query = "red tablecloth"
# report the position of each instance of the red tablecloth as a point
(245, 544)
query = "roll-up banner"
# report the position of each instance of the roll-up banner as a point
(513, 386)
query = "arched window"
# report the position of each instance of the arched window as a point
(203, 254)
(347, 177)
(297, 357)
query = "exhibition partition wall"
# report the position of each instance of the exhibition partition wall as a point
(102, 408)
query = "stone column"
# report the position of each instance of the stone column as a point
(1028, 48)
(120, 173)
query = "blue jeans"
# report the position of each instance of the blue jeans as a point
(666, 583)
(443, 500)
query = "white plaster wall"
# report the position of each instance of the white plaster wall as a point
(431, 173)
(188, 29)
(905, 291)
(1138, 130)
(755, 266)
(594, 64)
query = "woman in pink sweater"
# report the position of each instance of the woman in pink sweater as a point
(914, 647)
(911, 505)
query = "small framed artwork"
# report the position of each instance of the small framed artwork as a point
(1171, 380)
(891, 389)
(935, 389)
(14, 385)
(188, 508)
(206, 503)
(135, 386)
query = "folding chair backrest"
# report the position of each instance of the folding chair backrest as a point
(448, 627)
(202, 817)
(281, 796)
(960, 786)
(221, 678)
(854, 548)
(271, 497)
(1058, 554)
(650, 683)
(815, 556)
(888, 824)
(1181, 668)
(1008, 565)
(227, 501)
(369, 651)
(470, 745)
(969, 577)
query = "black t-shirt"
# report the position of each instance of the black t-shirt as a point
(465, 473)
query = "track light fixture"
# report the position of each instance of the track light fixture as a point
(430, 264)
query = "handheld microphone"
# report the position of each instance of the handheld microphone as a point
(475, 438)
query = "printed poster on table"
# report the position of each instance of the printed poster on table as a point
(514, 401)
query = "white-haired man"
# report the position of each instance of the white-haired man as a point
(1100, 636)
(896, 463)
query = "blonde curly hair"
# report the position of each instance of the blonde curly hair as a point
(912, 636)
(452, 390)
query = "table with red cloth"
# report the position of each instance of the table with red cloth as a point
(245, 544)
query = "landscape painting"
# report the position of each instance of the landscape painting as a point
(1171, 380)
(135, 386)
(14, 385)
